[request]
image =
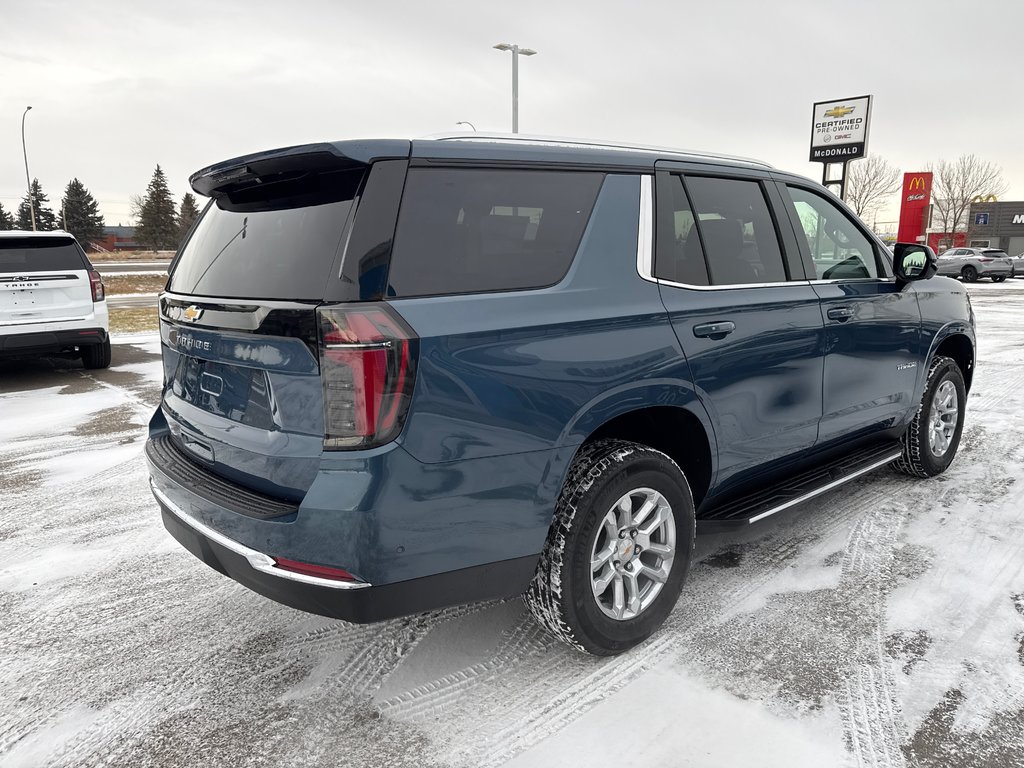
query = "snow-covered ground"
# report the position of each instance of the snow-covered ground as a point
(880, 625)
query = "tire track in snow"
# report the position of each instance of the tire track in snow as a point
(870, 712)
(998, 383)
(556, 685)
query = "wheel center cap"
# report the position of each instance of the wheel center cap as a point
(626, 548)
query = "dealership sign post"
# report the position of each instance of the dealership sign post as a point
(839, 134)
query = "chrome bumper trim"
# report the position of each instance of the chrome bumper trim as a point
(257, 560)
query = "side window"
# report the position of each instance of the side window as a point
(737, 231)
(476, 230)
(840, 251)
(679, 257)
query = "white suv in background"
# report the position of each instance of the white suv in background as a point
(51, 299)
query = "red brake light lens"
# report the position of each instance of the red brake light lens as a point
(96, 283)
(366, 367)
(308, 569)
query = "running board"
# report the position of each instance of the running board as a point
(794, 490)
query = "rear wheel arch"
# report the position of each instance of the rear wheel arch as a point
(675, 431)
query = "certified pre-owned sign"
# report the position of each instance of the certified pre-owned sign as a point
(839, 129)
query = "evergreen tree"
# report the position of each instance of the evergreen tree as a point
(81, 213)
(157, 226)
(187, 214)
(45, 220)
(6, 220)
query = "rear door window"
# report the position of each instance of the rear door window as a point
(737, 231)
(40, 254)
(680, 256)
(478, 230)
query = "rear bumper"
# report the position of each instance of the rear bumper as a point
(240, 545)
(43, 342)
(357, 602)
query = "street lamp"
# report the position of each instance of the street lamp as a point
(466, 122)
(516, 51)
(28, 182)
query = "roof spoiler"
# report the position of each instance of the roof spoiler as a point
(250, 170)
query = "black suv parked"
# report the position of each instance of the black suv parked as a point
(403, 375)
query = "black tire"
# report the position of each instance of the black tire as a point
(918, 460)
(96, 355)
(969, 274)
(561, 596)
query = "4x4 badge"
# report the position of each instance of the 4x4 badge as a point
(193, 313)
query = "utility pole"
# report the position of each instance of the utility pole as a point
(516, 51)
(28, 181)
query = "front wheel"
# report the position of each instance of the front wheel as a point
(618, 548)
(931, 440)
(969, 274)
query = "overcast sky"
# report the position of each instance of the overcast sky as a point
(118, 86)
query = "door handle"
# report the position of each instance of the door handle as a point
(842, 314)
(716, 330)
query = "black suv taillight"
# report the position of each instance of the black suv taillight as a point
(96, 283)
(367, 360)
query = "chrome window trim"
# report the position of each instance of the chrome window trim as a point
(645, 231)
(645, 254)
(734, 286)
(853, 280)
(258, 560)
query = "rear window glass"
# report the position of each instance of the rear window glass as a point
(278, 251)
(737, 231)
(474, 230)
(39, 254)
(994, 254)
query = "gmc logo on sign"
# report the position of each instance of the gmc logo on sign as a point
(1019, 218)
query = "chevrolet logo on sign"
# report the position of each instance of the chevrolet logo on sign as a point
(193, 313)
(839, 111)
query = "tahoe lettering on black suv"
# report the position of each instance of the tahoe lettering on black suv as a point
(402, 375)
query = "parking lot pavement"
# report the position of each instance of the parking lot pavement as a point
(879, 625)
(157, 267)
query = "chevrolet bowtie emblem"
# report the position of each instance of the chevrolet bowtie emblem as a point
(839, 111)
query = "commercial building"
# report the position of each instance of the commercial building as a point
(997, 225)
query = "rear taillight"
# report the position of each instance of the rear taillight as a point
(367, 357)
(985, 259)
(97, 286)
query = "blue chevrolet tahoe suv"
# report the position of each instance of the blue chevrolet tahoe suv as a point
(402, 375)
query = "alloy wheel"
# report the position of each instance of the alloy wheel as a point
(633, 552)
(945, 413)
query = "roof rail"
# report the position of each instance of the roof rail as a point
(522, 138)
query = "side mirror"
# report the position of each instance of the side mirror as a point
(913, 262)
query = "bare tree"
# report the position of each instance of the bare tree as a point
(955, 184)
(135, 211)
(870, 181)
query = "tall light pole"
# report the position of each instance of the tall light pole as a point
(28, 181)
(516, 51)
